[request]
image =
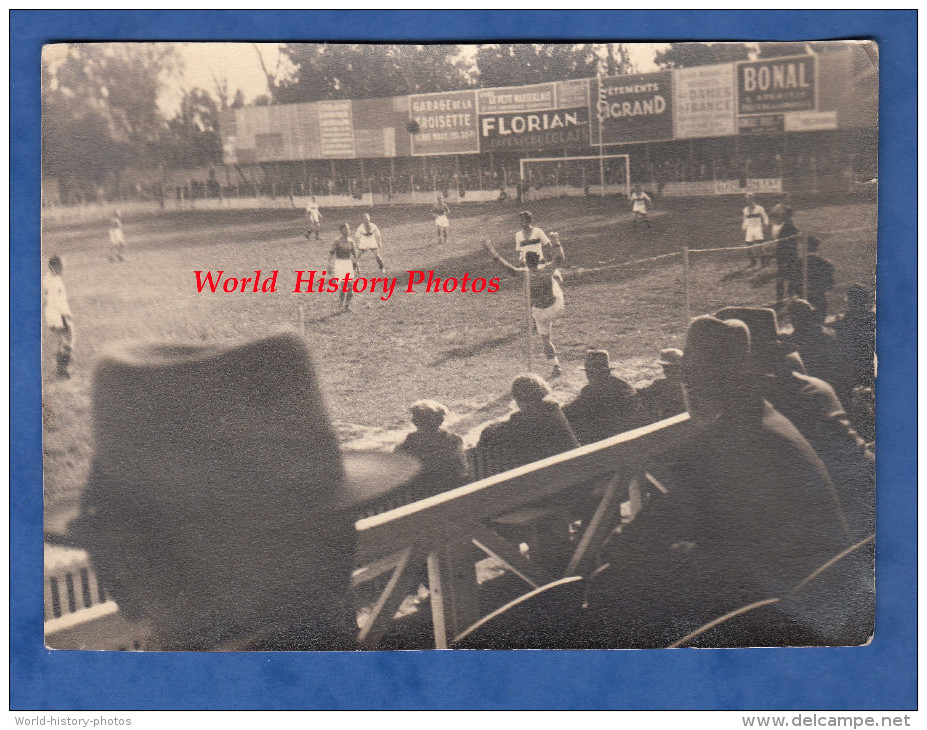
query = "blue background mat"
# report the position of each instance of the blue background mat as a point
(881, 676)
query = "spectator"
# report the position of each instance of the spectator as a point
(748, 510)
(855, 331)
(663, 398)
(788, 264)
(538, 428)
(816, 343)
(820, 279)
(764, 336)
(606, 406)
(237, 532)
(440, 453)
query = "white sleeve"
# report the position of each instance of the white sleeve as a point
(545, 241)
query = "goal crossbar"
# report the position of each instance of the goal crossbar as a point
(587, 158)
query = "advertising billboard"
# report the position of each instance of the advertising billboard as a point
(786, 84)
(534, 130)
(516, 99)
(635, 108)
(703, 101)
(445, 123)
(336, 129)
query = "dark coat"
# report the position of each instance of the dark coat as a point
(441, 455)
(604, 408)
(814, 409)
(749, 511)
(817, 346)
(662, 399)
(528, 436)
(820, 281)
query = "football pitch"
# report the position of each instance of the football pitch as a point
(462, 349)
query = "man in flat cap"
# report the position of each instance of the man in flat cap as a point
(663, 398)
(607, 405)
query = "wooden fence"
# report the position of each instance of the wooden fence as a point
(436, 535)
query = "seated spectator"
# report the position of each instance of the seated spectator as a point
(820, 278)
(855, 331)
(232, 531)
(663, 398)
(764, 336)
(816, 343)
(538, 428)
(814, 409)
(440, 453)
(606, 406)
(746, 510)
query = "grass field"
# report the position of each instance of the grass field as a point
(462, 349)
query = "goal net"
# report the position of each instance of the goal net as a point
(554, 177)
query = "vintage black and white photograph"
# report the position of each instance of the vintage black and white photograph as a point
(426, 346)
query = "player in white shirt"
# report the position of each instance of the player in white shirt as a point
(117, 240)
(313, 219)
(754, 224)
(369, 239)
(58, 317)
(639, 202)
(440, 211)
(529, 238)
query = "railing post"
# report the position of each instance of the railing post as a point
(454, 572)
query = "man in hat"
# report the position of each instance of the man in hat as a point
(745, 512)
(820, 278)
(545, 281)
(219, 507)
(663, 398)
(765, 339)
(788, 263)
(607, 405)
(58, 315)
(815, 343)
(753, 223)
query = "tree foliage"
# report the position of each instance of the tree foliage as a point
(683, 55)
(356, 71)
(100, 107)
(511, 64)
(100, 114)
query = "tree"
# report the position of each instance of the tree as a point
(355, 71)
(193, 138)
(99, 108)
(682, 55)
(514, 64)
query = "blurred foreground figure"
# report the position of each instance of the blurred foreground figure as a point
(219, 508)
(746, 512)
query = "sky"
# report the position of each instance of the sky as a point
(238, 65)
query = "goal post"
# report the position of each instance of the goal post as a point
(550, 177)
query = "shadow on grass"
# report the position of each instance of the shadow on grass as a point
(474, 349)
